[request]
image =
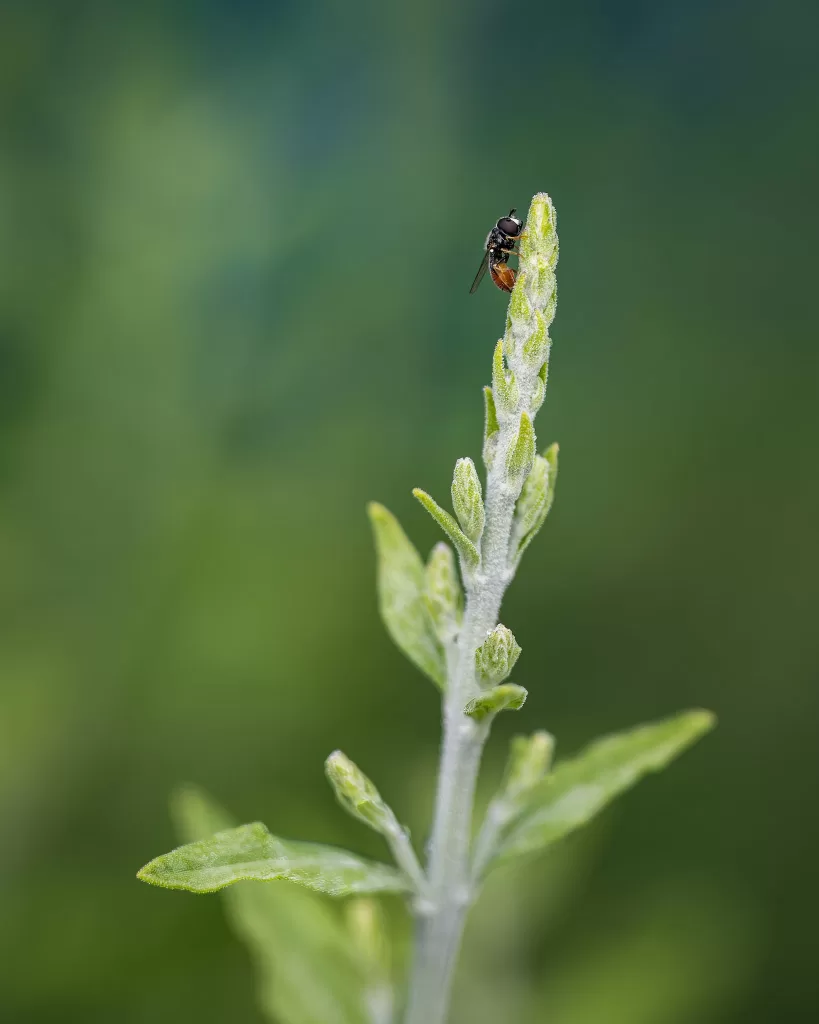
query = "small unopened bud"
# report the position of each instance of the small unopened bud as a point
(496, 657)
(467, 499)
(357, 794)
(534, 502)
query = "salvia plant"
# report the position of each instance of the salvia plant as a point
(319, 967)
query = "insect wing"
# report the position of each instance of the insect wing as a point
(481, 272)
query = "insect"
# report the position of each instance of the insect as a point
(499, 244)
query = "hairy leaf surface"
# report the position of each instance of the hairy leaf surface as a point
(580, 788)
(251, 853)
(401, 596)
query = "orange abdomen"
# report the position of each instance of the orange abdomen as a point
(503, 276)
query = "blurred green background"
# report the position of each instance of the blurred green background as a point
(236, 241)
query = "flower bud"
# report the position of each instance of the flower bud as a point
(357, 794)
(496, 657)
(467, 499)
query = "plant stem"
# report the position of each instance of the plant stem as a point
(518, 388)
(442, 917)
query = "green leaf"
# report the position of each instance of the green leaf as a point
(490, 421)
(529, 760)
(442, 592)
(497, 656)
(507, 697)
(467, 499)
(251, 853)
(519, 308)
(521, 455)
(463, 545)
(368, 930)
(491, 428)
(401, 595)
(370, 941)
(504, 386)
(536, 346)
(580, 788)
(308, 971)
(535, 501)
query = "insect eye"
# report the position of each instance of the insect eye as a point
(509, 226)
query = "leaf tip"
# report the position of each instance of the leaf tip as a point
(376, 512)
(702, 720)
(147, 873)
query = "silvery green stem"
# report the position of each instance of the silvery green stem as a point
(509, 453)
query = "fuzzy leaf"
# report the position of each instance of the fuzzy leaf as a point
(308, 971)
(491, 428)
(507, 697)
(250, 852)
(442, 592)
(529, 760)
(401, 588)
(464, 546)
(580, 788)
(519, 308)
(535, 501)
(504, 386)
(467, 499)
(536, 346)
(521, 455)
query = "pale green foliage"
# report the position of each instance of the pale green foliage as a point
(463, 545)
(358, 795)
(497, 656)
(401, 595)
(536, 347)
(521, 455)
(467, 499)
(442, 592)
(310, 965)
(491, 428)
(368, 930)
(535, 501)
(370, 941)
(251, 853)
(529, 759)
(504, 386)
(316, 969)
(580, 788)
(506, 697)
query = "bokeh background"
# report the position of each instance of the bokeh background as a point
(236, 241)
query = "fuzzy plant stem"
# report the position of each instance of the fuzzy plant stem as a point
(518, 390)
